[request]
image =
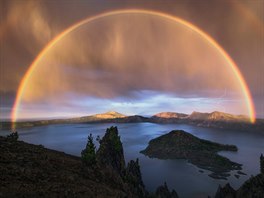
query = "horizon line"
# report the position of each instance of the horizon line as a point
(111, 111)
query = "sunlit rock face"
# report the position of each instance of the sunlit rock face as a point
(217, 116)
(134, 64)
(220, 116)
(170, 115)
(110, 115)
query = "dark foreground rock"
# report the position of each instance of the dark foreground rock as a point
(252, 188)
(163, 192)
(33, 171)
(225, 192)
(133, 176)
(110, 152)
(110, 159)
(179, 144)
(28, 170)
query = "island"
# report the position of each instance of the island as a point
(179, 144)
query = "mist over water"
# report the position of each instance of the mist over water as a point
(185, 178)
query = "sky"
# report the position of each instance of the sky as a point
(132, 63)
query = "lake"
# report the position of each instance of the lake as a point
(185, 178)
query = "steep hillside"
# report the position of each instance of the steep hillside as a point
(29, 170)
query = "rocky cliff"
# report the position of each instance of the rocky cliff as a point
(252, 188)
(29, 170)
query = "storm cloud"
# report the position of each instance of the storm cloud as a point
(119, 57)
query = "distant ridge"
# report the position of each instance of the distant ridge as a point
(214, 119)
(170, 115)
(110, 115)
(198, 116)
(213, 116)
(218, 116)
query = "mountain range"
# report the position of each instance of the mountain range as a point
(214, 119)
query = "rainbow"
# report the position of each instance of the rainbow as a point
(231, 63)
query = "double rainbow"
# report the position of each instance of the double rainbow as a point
(231, 63)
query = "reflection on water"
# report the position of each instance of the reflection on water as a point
(180, 175)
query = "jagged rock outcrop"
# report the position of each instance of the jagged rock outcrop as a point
(110, 155)
(110, 152)
(133, 176)
(163, 192)
(29, 170)
(225, 192)
(254, 187)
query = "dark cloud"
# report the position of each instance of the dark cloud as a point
(27, 26)
(111, 58)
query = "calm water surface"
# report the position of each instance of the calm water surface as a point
(185, 178)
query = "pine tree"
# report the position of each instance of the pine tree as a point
(88, 154)
(13, 136)
(261, 164)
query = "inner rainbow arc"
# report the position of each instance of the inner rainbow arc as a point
(231, 63)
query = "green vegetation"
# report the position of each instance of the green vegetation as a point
(110, 152)
(88, 154)
(115, 139)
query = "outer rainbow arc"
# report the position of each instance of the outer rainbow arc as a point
(235, 69)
